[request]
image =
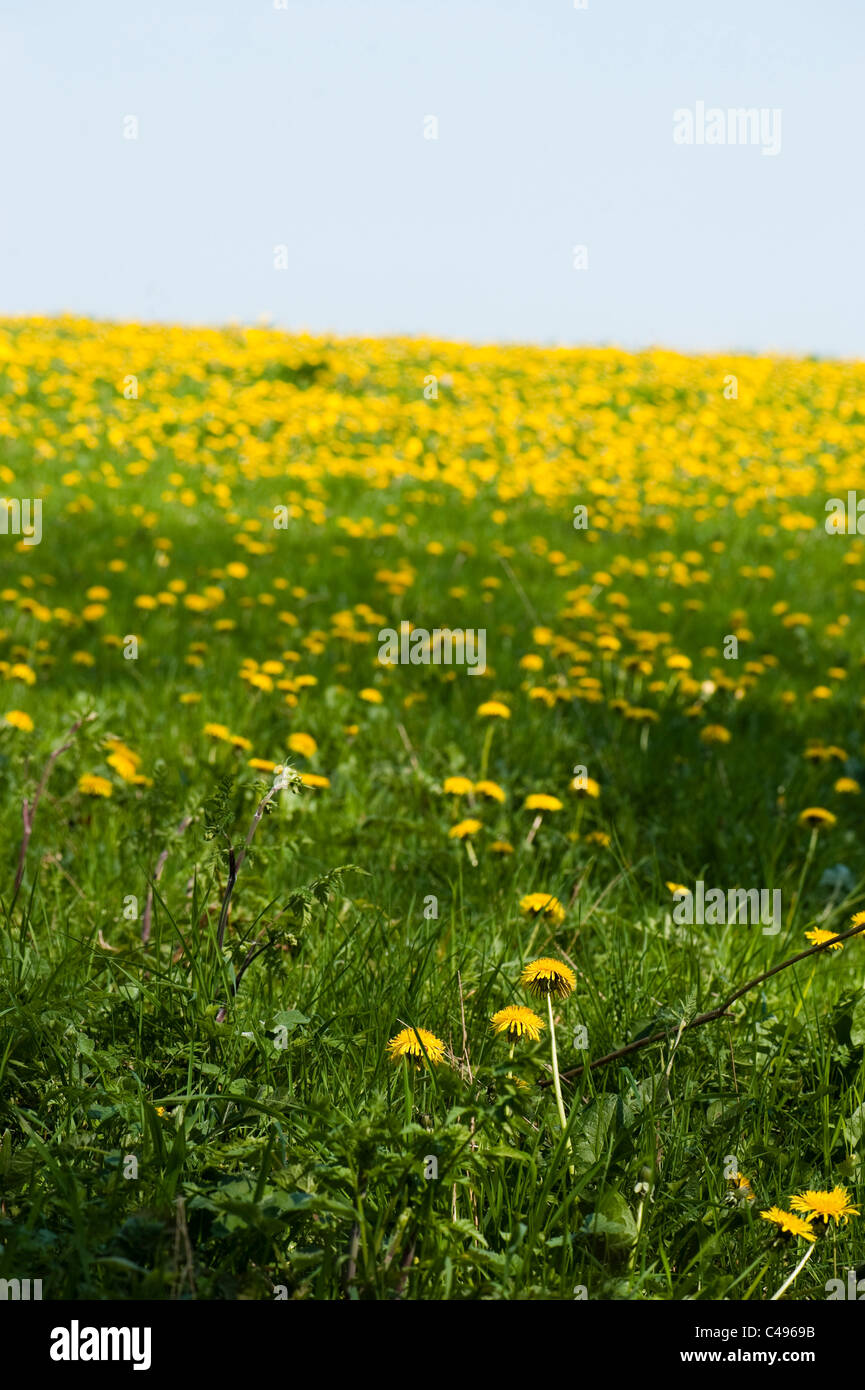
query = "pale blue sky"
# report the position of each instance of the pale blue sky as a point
(304, 127)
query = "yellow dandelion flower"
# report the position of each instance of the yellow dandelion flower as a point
(847, 786)
(491, 790)
(819, 935)
(599, 837)
(789, 1224)
(538, 692)
(115, 745)
(715, 733)
(741, 1189)
(122, 765)
(218, 731)
(586, 786)
(518, 1021)
(816, 816)
(540, 801)
(534, 903)
(464, 828)
(493, 709)
(304, 744)
(826, 1206)
(91, 785)
(501, 847)
(372, 697)
(313, 779)
(457, 786)
(816, 753)
(20, 671)
(548, 977)
(415, 1043)
(641, 716)
(19, 720)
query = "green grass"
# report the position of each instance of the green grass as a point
(291, 1154)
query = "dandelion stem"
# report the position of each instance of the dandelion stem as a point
(800, 1266)
(536, 825)
(633, 1255)
(556, 1081)
(406, 1090)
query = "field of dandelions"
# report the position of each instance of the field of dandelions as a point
(305, 959)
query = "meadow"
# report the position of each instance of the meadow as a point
(263, 894)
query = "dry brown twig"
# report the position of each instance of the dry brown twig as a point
(710, 1016)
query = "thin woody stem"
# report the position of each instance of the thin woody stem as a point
(709, 1017)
